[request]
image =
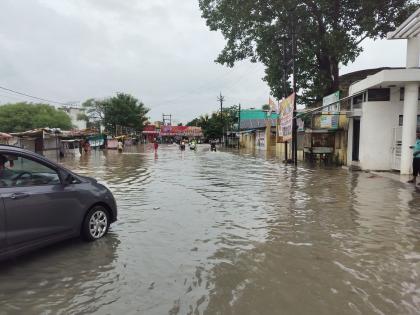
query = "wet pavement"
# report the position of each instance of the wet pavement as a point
(228, 233)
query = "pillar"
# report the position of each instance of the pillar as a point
(268, 135)
(409, 125)
(410, 107)
(413, 52)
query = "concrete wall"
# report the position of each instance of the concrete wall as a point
(280, 151)
(247, 140)
(260, 139)
(340, 147)
(350, 142)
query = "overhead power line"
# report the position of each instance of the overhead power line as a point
(205, 87)
(31, 96)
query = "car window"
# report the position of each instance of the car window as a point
(19, 171)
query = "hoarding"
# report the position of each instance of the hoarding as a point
(329, 121)
(286, 117)
(332, 100)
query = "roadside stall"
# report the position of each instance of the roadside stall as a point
(70, 147)
(44, 141)
(96, 141)
(319, 145)
(5, 137)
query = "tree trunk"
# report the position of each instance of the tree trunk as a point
(328, 67)
(335, 84)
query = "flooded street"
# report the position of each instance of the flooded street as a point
(228, 233)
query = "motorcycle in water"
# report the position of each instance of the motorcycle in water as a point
(193, 146)
(213, 146)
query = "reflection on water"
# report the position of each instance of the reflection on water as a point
(227, 233)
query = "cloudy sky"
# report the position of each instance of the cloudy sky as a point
(158, 50)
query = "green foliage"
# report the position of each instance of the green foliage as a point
(94, 111)
(212, 125)
(120, 110)
(328, 34)
(24, 116)
(265, 107)
(82, 116)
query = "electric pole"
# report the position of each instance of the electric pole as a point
(239, 125)
(284, 90)
(294, 86)
(221, 99)
(294, 122)
(167, 120)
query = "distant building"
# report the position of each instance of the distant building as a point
(73, 112)
(170, 134)
(257, 129)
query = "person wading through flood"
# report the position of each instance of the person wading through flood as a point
(156, 145)
(86, 146)
(120, 146)
(416, 161)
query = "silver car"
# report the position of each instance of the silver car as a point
(41, 202)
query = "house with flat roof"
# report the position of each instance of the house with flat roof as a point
(375, 134)
(384, 113)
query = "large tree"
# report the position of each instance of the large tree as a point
(328, 33)
(26, 116)
(122, 110)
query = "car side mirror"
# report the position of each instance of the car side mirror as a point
(66, 177)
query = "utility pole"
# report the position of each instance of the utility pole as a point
(284, 89)
(294, 122)
(239, 125)
(221, 99)
(167, 120)
(294, 87)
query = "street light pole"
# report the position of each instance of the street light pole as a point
(239, 125)
(284, 89)
(294, 122)
(221, 99)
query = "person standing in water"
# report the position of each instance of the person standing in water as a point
(86, 146)
(416, 161)
(120, 146)
(156, 145)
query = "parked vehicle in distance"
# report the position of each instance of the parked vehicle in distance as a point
(41, 203)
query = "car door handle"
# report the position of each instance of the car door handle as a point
(18, 196)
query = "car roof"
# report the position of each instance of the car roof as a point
(15, 149)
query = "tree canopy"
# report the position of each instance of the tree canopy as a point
(328, 33)
(19, 117)
(120, 110)
(212, 125)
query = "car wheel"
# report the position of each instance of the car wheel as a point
(96, 224)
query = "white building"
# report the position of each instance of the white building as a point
(385, 107)
(73, 112)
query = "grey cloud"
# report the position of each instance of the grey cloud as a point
(158, 50)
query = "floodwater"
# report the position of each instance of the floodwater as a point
(227, 233)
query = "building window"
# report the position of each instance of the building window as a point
(401, 119)
(379, 95)
(358, 99)
(402, 94)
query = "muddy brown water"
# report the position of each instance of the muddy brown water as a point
(228, 233)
